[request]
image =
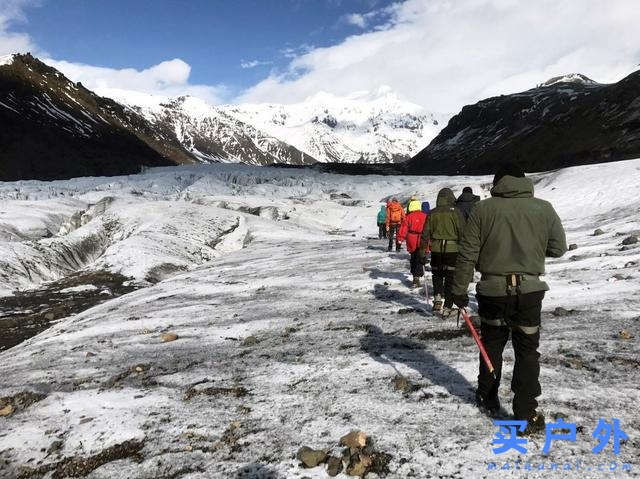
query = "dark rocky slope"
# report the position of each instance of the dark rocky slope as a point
(559, 124)
(52, 128)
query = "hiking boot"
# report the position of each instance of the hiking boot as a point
(416, 282)
(389, 249)
(437, 304)
(535, 424)
(488, 408)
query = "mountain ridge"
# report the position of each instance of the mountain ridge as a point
(211, 135)
(544, 128)
(362, 127)
(54, 128)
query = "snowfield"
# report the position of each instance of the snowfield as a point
(292, 322)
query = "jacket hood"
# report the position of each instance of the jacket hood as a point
(467, 197)
(445, 197)
(513, 187)
(426, 207)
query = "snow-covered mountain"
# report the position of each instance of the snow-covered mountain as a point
(210, 133)
(366, 127)
(569, 78)
(60, 129)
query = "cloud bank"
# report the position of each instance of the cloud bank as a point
(444, 54)
(441, 54)
(169, 78)
(11, 12)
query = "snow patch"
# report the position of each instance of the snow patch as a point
(6, 59)
(79, 289)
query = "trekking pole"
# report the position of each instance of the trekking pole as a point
(483, 352)
(426, 285)
(426, 289)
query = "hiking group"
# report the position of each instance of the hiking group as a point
(506, 239)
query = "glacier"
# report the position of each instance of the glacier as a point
(292, 321)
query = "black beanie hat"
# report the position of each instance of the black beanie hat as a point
(510, 169)
(467, 189)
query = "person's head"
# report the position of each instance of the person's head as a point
(509, 169)
(426, 207)
(445, 197)
(394, 200)
(467, 189)
(414, 206)
(414, 198)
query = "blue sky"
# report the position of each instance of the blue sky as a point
(440, 54)
(217, 38)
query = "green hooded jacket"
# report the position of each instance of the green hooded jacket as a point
(512, 232)
(445, 222)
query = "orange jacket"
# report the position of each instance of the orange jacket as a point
(395, 213)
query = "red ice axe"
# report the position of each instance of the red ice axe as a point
(483, 352)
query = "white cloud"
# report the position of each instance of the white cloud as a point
(290, 52)
(169, 78)
(443, 54)
(253, 63)
(366, 20)
(356, 19)
(11, 11)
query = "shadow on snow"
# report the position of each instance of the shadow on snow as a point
(387, 348)
(384, 293)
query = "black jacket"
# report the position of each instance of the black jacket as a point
(465, 203)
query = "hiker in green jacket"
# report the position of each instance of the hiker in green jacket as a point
(507, 238)
(382, 222)
(443, 231)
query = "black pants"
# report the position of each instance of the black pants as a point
(393, 234)
(442, 269)
(382, 230)
(417, 268)
(517, 310)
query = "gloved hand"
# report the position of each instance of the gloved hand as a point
(461, 300)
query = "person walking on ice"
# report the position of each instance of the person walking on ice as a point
(442, 231)
(506, 239)
(382, 222)
(411, 230)
(466, 201)
(395, 216)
